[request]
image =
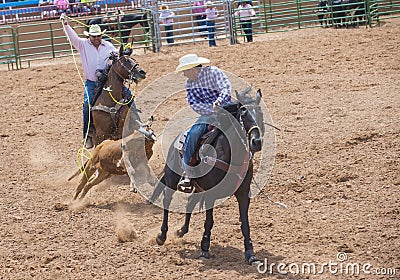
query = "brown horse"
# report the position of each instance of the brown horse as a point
(111, 107)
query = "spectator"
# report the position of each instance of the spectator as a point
(75, 6)
(211, 16)
(244, 13)
(89, 6)
(47, 9)
(167, 19)
(62, 6)
(199, 10)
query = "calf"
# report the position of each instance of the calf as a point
(107, 160)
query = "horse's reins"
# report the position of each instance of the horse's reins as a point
(130, 72)
(280, 204)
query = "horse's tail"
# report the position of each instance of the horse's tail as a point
(79, 171)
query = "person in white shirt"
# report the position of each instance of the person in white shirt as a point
(167, 19)
(245, 12)
(95, 57)
(211, 16)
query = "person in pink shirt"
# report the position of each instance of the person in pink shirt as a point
(95, 56)
(62, 6)
(199, 9)
(211, 16)
(245, 12)
(167, 19)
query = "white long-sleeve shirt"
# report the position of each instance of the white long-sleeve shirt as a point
(211, 13)
(245, 12)
(166, 17)
(91, 57)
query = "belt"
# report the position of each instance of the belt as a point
(90, 81)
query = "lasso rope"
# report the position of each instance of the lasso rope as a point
(126, 46)
(116, 101)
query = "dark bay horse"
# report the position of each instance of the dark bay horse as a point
(228, 172)
(120, 25)
(111, 108)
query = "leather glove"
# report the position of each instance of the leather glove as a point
(63, 17)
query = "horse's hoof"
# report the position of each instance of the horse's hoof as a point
(180, 233)
(159, 240)
(253, 260)
(204, 255)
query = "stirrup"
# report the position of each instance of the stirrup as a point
(89, 143)
(185, 186)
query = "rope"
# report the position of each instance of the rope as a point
(82, 158)
(83, 153)
(126, 46)
(116, 101)
(280, 204)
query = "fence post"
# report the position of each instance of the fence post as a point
(52, 40)
(232, 30)
(298, 7)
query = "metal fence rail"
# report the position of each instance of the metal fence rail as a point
(23, 43)
(8, 50)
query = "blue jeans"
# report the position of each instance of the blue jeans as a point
(211, 33)
(88, 96)
(193, 138)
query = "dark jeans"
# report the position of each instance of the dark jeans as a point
(201, 23)
(211, 33)
(247, 27)
(169, 33)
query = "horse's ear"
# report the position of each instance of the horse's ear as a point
(128, 50)
(258, 96)
(121, 50)
(247, 91)
(239, 97)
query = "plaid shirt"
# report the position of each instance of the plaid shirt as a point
(211, 85)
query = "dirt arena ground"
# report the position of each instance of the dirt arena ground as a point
(333, 93)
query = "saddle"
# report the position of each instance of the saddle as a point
(207, 138)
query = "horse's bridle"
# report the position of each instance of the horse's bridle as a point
(129, 71)
(251, 128)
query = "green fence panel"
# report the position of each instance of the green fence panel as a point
(277, 16)
(8, 49)
(46, 40)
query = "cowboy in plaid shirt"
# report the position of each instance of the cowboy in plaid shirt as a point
(206, 88)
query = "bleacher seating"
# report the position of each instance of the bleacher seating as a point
(30, 10)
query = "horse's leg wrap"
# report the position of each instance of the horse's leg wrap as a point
(161, 237)
(205, 242)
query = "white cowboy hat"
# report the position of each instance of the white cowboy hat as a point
(94, 30)
(208, 3)
(189, 61)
